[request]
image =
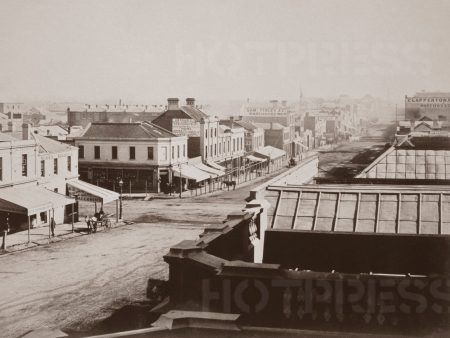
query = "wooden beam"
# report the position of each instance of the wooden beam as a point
(419, 214)
(358, 204)
(275, 210)
(294, 221)
(399, 209)
(440, 214)
(336, 213)
(377, 216)
(316, 209)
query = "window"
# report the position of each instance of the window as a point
(55, 166)
(150, 153)
(184, 150)
(206, 151)
(114, 152)
(132, 153)
(220, 148)
(42, 168)
(206, 133)
(210, 150)
(69, 163)
(97, 152)
(178, 151)
(81, 151)
(24, 165)
(173, 152)
(215, 132)
(234, 145)
(215, 149)
(1, 168)
(164, 153)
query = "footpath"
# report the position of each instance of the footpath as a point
(39, 236)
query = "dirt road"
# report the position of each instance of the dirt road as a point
(73, 284)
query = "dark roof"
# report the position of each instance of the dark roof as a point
(244, 124)
(360, 208)
(430, 142)
(144, 130)
(194, 113)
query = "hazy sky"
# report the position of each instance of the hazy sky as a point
(146, 51)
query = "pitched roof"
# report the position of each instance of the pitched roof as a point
(244, 124)
(48, 145)
(360, 208)
(270, 152)
(117, 131)
(409, 164)
(194, 113)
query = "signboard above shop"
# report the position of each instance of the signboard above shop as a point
(436, 106)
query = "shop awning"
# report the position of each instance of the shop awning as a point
(208, 170)
(190, 172)
(31, 200)
(216, 166)
(255, 159)
(91, 193)
(271, 152)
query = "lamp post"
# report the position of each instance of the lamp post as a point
(120, 199)
(181, 180)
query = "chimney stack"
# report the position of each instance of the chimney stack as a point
(190, 101)
(26, 130)
(172, 103)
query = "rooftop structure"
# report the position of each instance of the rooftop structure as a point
(413, 158)
(360, 208)
(124, 131)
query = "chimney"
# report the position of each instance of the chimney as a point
(190, 101)
(26, 130)
(172, 103)
(274, 103)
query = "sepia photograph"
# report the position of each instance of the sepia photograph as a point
(213, 168)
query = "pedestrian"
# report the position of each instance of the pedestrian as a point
(52, 226)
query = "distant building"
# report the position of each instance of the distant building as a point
(206, 138)
(90, 113)
(140, 154)
(423, 127)
(11, 116)
(254, 136)
(56, 132)
(434, 105)
(277, 135)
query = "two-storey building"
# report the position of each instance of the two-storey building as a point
(34, 172)
(141, 155)
(253, 135)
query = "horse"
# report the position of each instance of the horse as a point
(229, 184)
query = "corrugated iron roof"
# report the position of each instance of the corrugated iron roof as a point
(361, 208)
